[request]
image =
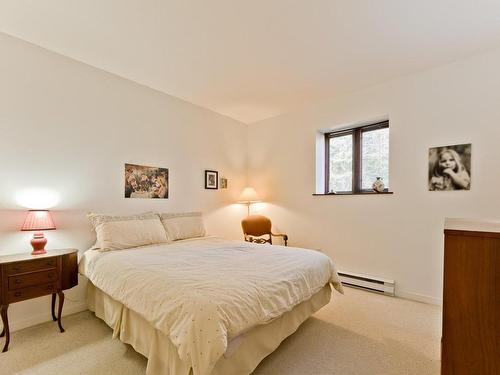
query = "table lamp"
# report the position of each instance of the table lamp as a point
(38, 220)
(249, 196)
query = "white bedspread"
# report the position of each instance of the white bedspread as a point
(201, 293)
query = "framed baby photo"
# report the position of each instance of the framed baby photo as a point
(211, 179)
(450, 167)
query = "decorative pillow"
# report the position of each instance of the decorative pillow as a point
(180, 226)
(96, 219)
(123, 232)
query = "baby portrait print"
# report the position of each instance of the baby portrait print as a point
(450, 167)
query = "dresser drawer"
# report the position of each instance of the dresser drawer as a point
(33, 278)
(31, 292)
(32, 265)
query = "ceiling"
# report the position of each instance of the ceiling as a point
(251, 60)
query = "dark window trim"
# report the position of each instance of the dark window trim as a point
(356, 165)
(365, 192)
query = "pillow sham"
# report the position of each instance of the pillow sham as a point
(96, 219)
(124, 232)
(181, 226)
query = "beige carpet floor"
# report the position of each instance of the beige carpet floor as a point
(356, 334)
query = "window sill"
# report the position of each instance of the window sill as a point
(358, 193)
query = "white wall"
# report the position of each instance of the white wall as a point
(394, 236)
(69, 128)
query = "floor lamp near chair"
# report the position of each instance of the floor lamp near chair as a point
(248, 196)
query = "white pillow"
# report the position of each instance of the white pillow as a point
(96, 219)
(180, 226)
(123, 232)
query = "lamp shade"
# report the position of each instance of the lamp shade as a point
(249, 195)
(38, 220)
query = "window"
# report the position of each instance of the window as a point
(356, 157)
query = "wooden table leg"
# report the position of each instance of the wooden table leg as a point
(59, 312)
(3, 330)
(54, 318)
(6, 331)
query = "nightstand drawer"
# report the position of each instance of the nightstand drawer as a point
(31, 292)
(34, 278)
(32, 265)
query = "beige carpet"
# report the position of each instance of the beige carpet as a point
(356, 334)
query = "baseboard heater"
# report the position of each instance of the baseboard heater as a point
(370, 283)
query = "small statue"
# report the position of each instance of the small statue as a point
(378, 185)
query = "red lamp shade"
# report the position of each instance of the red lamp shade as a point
(38, 220)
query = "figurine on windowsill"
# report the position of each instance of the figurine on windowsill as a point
(378, 185)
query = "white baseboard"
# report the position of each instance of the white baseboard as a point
(419, 297)
(16, 325)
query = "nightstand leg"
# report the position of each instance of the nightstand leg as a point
(54, 318)
(59, 312)
(5, 321)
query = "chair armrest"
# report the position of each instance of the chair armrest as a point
(285, 237)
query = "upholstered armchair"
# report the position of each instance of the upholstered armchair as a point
(257, 228)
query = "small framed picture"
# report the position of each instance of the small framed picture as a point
(211, 179)
(223, 183)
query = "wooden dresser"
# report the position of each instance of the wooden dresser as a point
(26, 276)
(471, 299)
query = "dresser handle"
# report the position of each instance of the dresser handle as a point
(50, 287)
(17, 281)
(16, 268)
(17, 294)
(48, 263)
(50, 275)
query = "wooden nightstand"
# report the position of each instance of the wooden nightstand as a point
(26, 276)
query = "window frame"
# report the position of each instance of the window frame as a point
(357, 133)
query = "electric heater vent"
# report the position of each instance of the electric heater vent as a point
(370, 283)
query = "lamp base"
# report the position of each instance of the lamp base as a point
(38, 242)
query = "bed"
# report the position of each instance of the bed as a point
(206, 305)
